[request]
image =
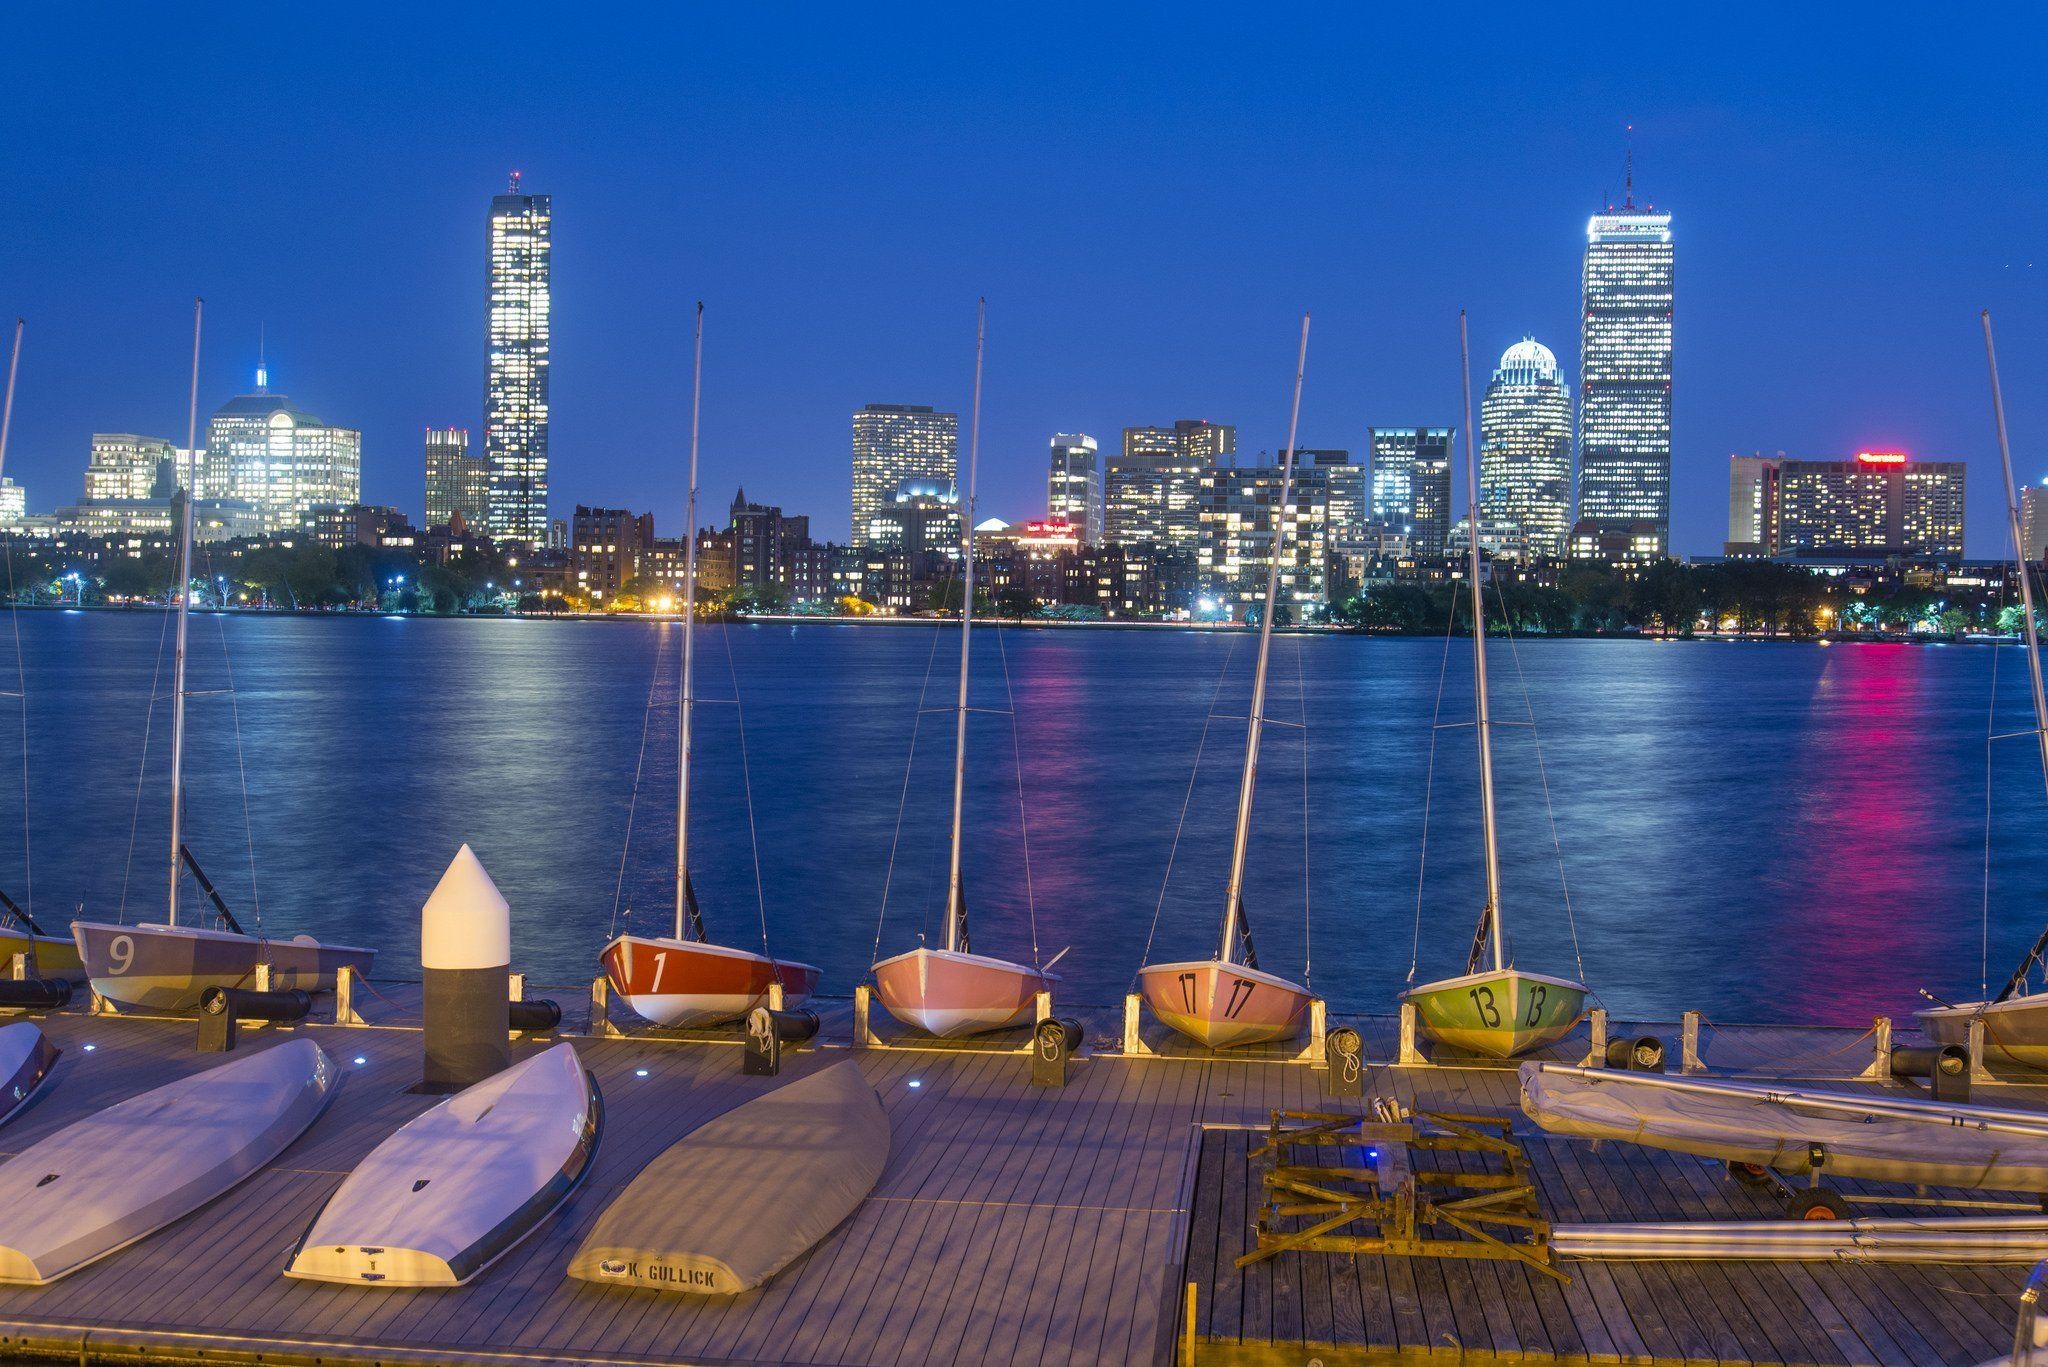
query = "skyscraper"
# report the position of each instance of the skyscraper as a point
(1879, 504)
(516, 386)
(1152, 490)
(1625, 372)
(1753, 504)
(1074, 486)
(278, 459)
(1411, 483)
(457, 482)
(1525, 453)
(895, 442)
(123, 465)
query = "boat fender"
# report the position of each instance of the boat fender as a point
(1643, 1054)
(534, 1016)
(35, 994)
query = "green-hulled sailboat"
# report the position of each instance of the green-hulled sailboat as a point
(1500, 1011)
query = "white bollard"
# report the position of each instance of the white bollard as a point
(466, 958)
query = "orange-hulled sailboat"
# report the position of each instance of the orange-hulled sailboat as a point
(950, 992)
(1229, 1000)
(684, 979)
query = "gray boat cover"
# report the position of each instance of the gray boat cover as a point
(741, 1197)
(1870, 1136)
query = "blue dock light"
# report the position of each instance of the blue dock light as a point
(915, 1083)
(639, 1072)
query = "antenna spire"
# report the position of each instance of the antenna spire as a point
(515, 183)
(1628, 173)
(262, 370)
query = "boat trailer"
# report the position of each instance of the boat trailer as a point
(1388, 1180)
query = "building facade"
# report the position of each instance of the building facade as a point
(1241, 515)
(921, 518)
(1525, 452)
(2033, 520)
(1880, 504)
(1152, 489)
(1073, 492)
(1411, 484)
(123, 465)
(281, 461)
(895, 442)
(1625, 372)
(458, 484)
(606, 547)
(1753, 505)
(516, 379)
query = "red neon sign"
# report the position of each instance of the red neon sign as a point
(1882, 457)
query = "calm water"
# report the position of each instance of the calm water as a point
(1759, 831)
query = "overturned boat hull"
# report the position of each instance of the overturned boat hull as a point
(459, 1186)
(692, 983)
(1503, 1013)
(949, 994)
(1223, 1005)
(743, 1196)
(123, 1173)
(1869, 1136)
(26, 1060)
(153, 967)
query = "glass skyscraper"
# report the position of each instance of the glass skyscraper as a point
(279, 460)
(1625, 374)
(1525, 453)
(1411, 484)
(1152, 490)
(516, 387)
(1073, 491)
(457, 482)
(894, 443)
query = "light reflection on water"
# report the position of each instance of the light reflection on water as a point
(1758, 831)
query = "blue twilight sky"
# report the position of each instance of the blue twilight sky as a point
(1148, 197)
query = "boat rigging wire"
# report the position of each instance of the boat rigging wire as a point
(28, 881)
(1023, 820)
(1984, 909)
(746, 784)
(1194, 772)
(1301, 692)
(1542, 775)
(235, 715)
(142, 764)
(903, 797)
(1436, 728)
(639, 765)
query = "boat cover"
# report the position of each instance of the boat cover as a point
(458, 1186)
(1870, 1136)
(103, 1182)
(741, 1197)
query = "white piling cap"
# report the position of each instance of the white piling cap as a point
(466, 922)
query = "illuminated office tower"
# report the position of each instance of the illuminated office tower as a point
(279, 460)
(1880, 504)
(1152, 489)
(1625, 372)
(123, 465)
(457, 482)
(1753, 504)
(1525, 453)
(1073, 491)
(2034, 520)
(895, 442)
(516, 385)
(1411, 484)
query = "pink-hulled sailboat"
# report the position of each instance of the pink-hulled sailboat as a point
(951, 992)
(1229, 1000)
(684, 979)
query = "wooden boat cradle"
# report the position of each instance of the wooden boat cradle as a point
(1398, 1194)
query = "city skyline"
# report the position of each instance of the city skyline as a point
(1854, 333)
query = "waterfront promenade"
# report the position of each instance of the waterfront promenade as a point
(1013, 1224)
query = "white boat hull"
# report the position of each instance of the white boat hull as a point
(461, 1185)
(2015, 1030)
(123, 1173)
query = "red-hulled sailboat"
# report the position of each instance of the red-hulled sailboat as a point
(684, 979)
(1228, 1000)
(951, 992)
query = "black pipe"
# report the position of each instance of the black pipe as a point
(245, 1004)
(1644, 1054)
(1925, 1061)
(534, 1015)
(791, 1027)
(43, 994)
(1064, 1030)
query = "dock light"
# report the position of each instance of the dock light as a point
(90, 1047)
(360, 1060)
(913, 1082)
(639, 1072)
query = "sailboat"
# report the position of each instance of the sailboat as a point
(49, 956)
(951, 992)
(684, 979)
(2015, 1021)
(167, 966)
(1501, 1011)
(1229, 1000)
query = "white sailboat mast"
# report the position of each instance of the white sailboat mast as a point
(2019, 552)
(184, 590)
(689, 645)
(1485, 718)
(953, 889)
(1255, 722)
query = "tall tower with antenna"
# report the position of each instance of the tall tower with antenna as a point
(1624, 439)
(516, 378)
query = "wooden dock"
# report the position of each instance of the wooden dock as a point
(1013, 1224)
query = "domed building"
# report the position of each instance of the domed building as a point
(1525, 454)
(281, 461)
